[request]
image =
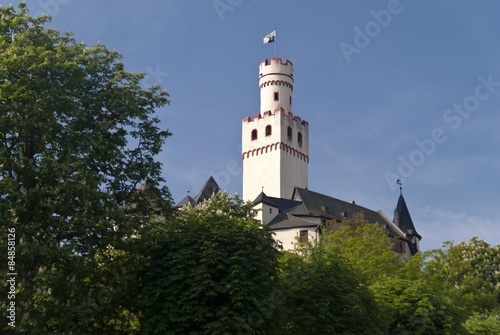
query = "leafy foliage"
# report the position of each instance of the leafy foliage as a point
(365, 245)
(479, 324)
(467, 273)
(414, 308)
(214, 271)
(77, 136)
(323, 294)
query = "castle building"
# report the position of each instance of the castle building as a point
(275, 143)
(275, 153)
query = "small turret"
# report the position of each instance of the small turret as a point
(275, 84)
(403, 220)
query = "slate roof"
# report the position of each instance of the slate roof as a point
(306, 203)
(186, 201)
(329, 208)
(206, 192)
(293, 213)
(403, 219)
(282, 204)
(285, 221)
(263, 198)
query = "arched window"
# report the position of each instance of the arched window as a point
(254, 134)
(268, 130)
(299, 138)
(289, 133)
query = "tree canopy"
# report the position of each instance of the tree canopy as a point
(324, 294)
(412, 307)
(468, 273)
(214, 270)
(78, 136)
(365, 245)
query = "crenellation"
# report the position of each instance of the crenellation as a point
(275, 143)
(267, 114)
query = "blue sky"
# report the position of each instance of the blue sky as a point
(408, 88)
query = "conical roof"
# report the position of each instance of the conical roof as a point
(403, 219)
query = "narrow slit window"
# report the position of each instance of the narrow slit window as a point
(276, 96)
(299, 138)
(289, 133)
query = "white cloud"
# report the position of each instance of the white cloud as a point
(437, 226)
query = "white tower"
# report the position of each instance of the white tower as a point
(275, 143)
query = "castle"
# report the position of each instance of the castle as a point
(275, 153)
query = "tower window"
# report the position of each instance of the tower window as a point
(268, 130)
(299, 138)
(276, 96)
(290, 100)
(289, 133)
(254, 134)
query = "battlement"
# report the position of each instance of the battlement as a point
(276, 66)
(269, 113)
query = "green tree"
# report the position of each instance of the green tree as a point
(412, 307)
(479, 324)
(365, 245)
(467, 273)
(214, 270)
(77, 136)
(323, 294)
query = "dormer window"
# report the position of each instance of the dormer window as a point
(268, 130)
(254, 134)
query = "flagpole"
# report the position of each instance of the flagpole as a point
(276, 43)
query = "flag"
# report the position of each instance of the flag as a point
(271, 37)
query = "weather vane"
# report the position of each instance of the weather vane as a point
(400, 186)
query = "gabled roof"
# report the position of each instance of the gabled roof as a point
(283, 205)
(329, 208)
(403, 219)
(207, 190)
(263, 198)
(186, 201)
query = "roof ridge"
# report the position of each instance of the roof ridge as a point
(396, 228)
